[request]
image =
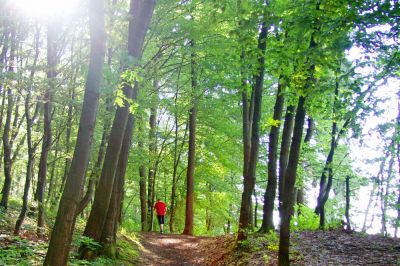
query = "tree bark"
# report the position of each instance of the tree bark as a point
(152, 170)
(50, 197)
(189, 211)
(109, 234)
(374, 187)
(300, 191)
(143, 206)
(177, 159)
(326, 181)
(290, 179)
(31, 148)
(47, 133)
(249, 177)
(57, 253)
(347, 210)
(397, 137)
(270, 192)
(371, 195)
(284, 152)
(5, 192)
(385, 194)
(290, 172)
(68, 135)
(141, 13)
(97, 167)
(255, 209)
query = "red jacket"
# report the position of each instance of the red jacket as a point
(160, 207)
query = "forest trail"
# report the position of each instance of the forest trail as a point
(172, 249)
(310, 248)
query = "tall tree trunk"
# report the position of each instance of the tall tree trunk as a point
(109, 234)
(97, 167)
(94, 175)
(300, 191)
(67, 162)
(370, 200)
(397, 137)
(177, 159)
(347, 210)
(31, 148)
(326, 181)
(5, 192)
(143, 206)
(374, 187)
(47, 134)
(284, 152)
(250, 175)
(50, 193)
(152, 170)
(270, 192)
(385, 194)
(57, 253)
(289, 181)
(141, 12)
(255, 208)
(98, 214)
(189, 210)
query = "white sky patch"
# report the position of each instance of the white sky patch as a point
(47, 8)
(372, 146)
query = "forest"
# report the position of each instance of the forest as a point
(250, 119)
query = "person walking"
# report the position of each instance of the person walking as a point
(161, 209)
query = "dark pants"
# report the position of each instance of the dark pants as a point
(160, 219)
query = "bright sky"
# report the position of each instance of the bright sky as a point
(46, 8)
(373, 148)
(373, 144)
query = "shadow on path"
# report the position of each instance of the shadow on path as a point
(171, 249)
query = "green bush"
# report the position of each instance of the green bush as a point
(98, 262)
(19, 252)
(307, 220)
(273, 240)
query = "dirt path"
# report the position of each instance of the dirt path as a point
(171, 249)
(309, 248)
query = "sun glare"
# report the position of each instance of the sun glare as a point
(46, 8)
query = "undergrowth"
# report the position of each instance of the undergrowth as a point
(29, 250)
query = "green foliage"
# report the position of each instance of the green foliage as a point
(272, 238)
(128, 248)
(97, 262)
(307, 220)
(87, 242)
(266, 259)
(257, 242)
(15, 253)
(222, 31)
(127, 251)
(21, 252)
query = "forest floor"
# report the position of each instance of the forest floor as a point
(334, 247)
(331, 247)
(173, 249)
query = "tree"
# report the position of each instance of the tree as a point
(47, 132)
(57, 253)
(270, 192)
(141, 13)
(7, 145)
(31, 146)
(189, 214)
(289, 178)
(252, 153)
